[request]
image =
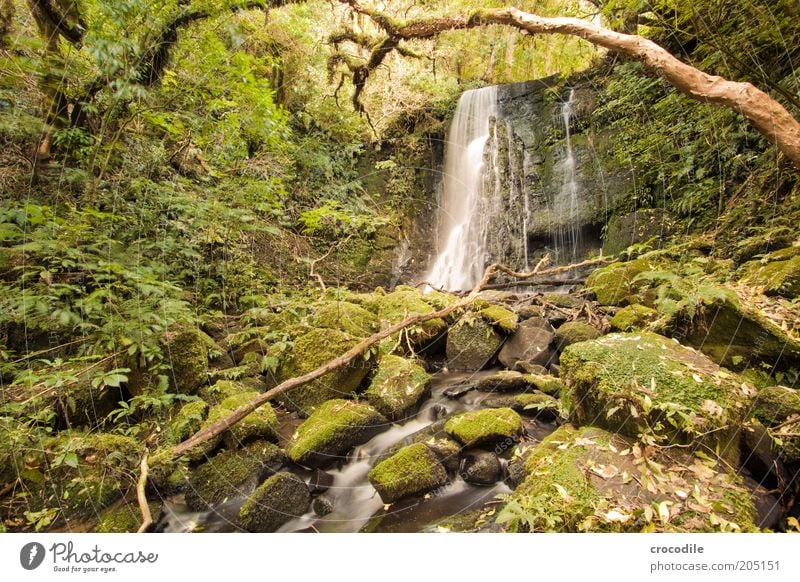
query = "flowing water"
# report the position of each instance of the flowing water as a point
(463, 216)
(567, 236)
(356, 504)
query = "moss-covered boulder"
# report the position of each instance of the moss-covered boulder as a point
(405, 302)
(231, 473)
(276, 501)
(501, 318)
(346, 317)
(471, 344)
(774, 404)
(333, 429)
(777, 273)
(261, 423)
(615, 282)
(311, 350)
(124, 517)
(591, 480)
(547, 384)
(187, 420)
(641, 226)
(397, 386)
(413, 470)
(645, 383)
(633, 317)
(563, 300)
(79, 473)
(533, 404)
(574, 332)
(480, 427)
(222, 389)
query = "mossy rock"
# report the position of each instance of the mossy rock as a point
(75, 403)
(762, 243)
(124, 517)
(481, 427)
(346, 317)
(501, 318)
(737, 335)
(563, 300)
(187, 421)
(276, 501)
(414, 470)
(547, 384)
(168, 475)
(504, 381)
(261, 423)
(405, 302)
(641, 226)
(189, 351)
(397, 386)
(533, 404)
(311, 350)
(471, 344)
(645, 383)
(580, 480)
(574, 332)
(231, 473)
(333, 429)
(774, 404)
(774, 277)
(615, 282)
(633, 317)
(80, 473)
(222, 389)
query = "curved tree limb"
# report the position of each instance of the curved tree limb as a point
(763, 112)
(141, 497)
(357, 350)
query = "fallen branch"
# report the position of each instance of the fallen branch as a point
(141, 497)
(222, 425)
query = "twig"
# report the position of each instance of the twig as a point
(144, 507)
(237, 415)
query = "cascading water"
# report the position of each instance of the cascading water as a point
(463, 218)
(567, 236)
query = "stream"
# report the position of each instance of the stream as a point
(356, 506)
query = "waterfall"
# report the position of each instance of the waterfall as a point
(463, 215)
(567, 235)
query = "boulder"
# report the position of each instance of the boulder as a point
(311, 350)
(276, 501)
(261, 423)
(480, 467)
(534, 404)
(446, 450)
(405, 302)
(322, 505)
(633, 317)
(588, 479)
(641, 226)
(231, 473)
(504, 381)
(616, 282)
(574, 332)
(471, 344)
(187, 420)
(775, 405)
(346, 317)
(777, 273)
(645, 383)
(124, 517)
(413, 470)
(528, 368)
(222, 389)
(501, 318)
(530, 343)
(481, 427)
(397, 387)
(333, 429)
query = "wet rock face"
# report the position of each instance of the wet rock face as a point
(530, 344)
(637, 383)
(414, 470)
(480, 467)
(651, 225)
(276, 501)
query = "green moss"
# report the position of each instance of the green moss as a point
(614, 282)
(276, 501)
(346, 317)
(405, 302)
(633, 383)
(186, 422)
(547, 384)
(500, 317)
(189, 350)
(504, 381)
(562, 300)
(574, 332)
(261, 423)
(774, 277)
(311, 350)
(397, 386)
(220, 390)
(471, 343)
(231, 473)
(414, 470)
(333, 428)
(530, 404)
(774, 404)
(484, 426)
(633, 317)
(124, 518)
